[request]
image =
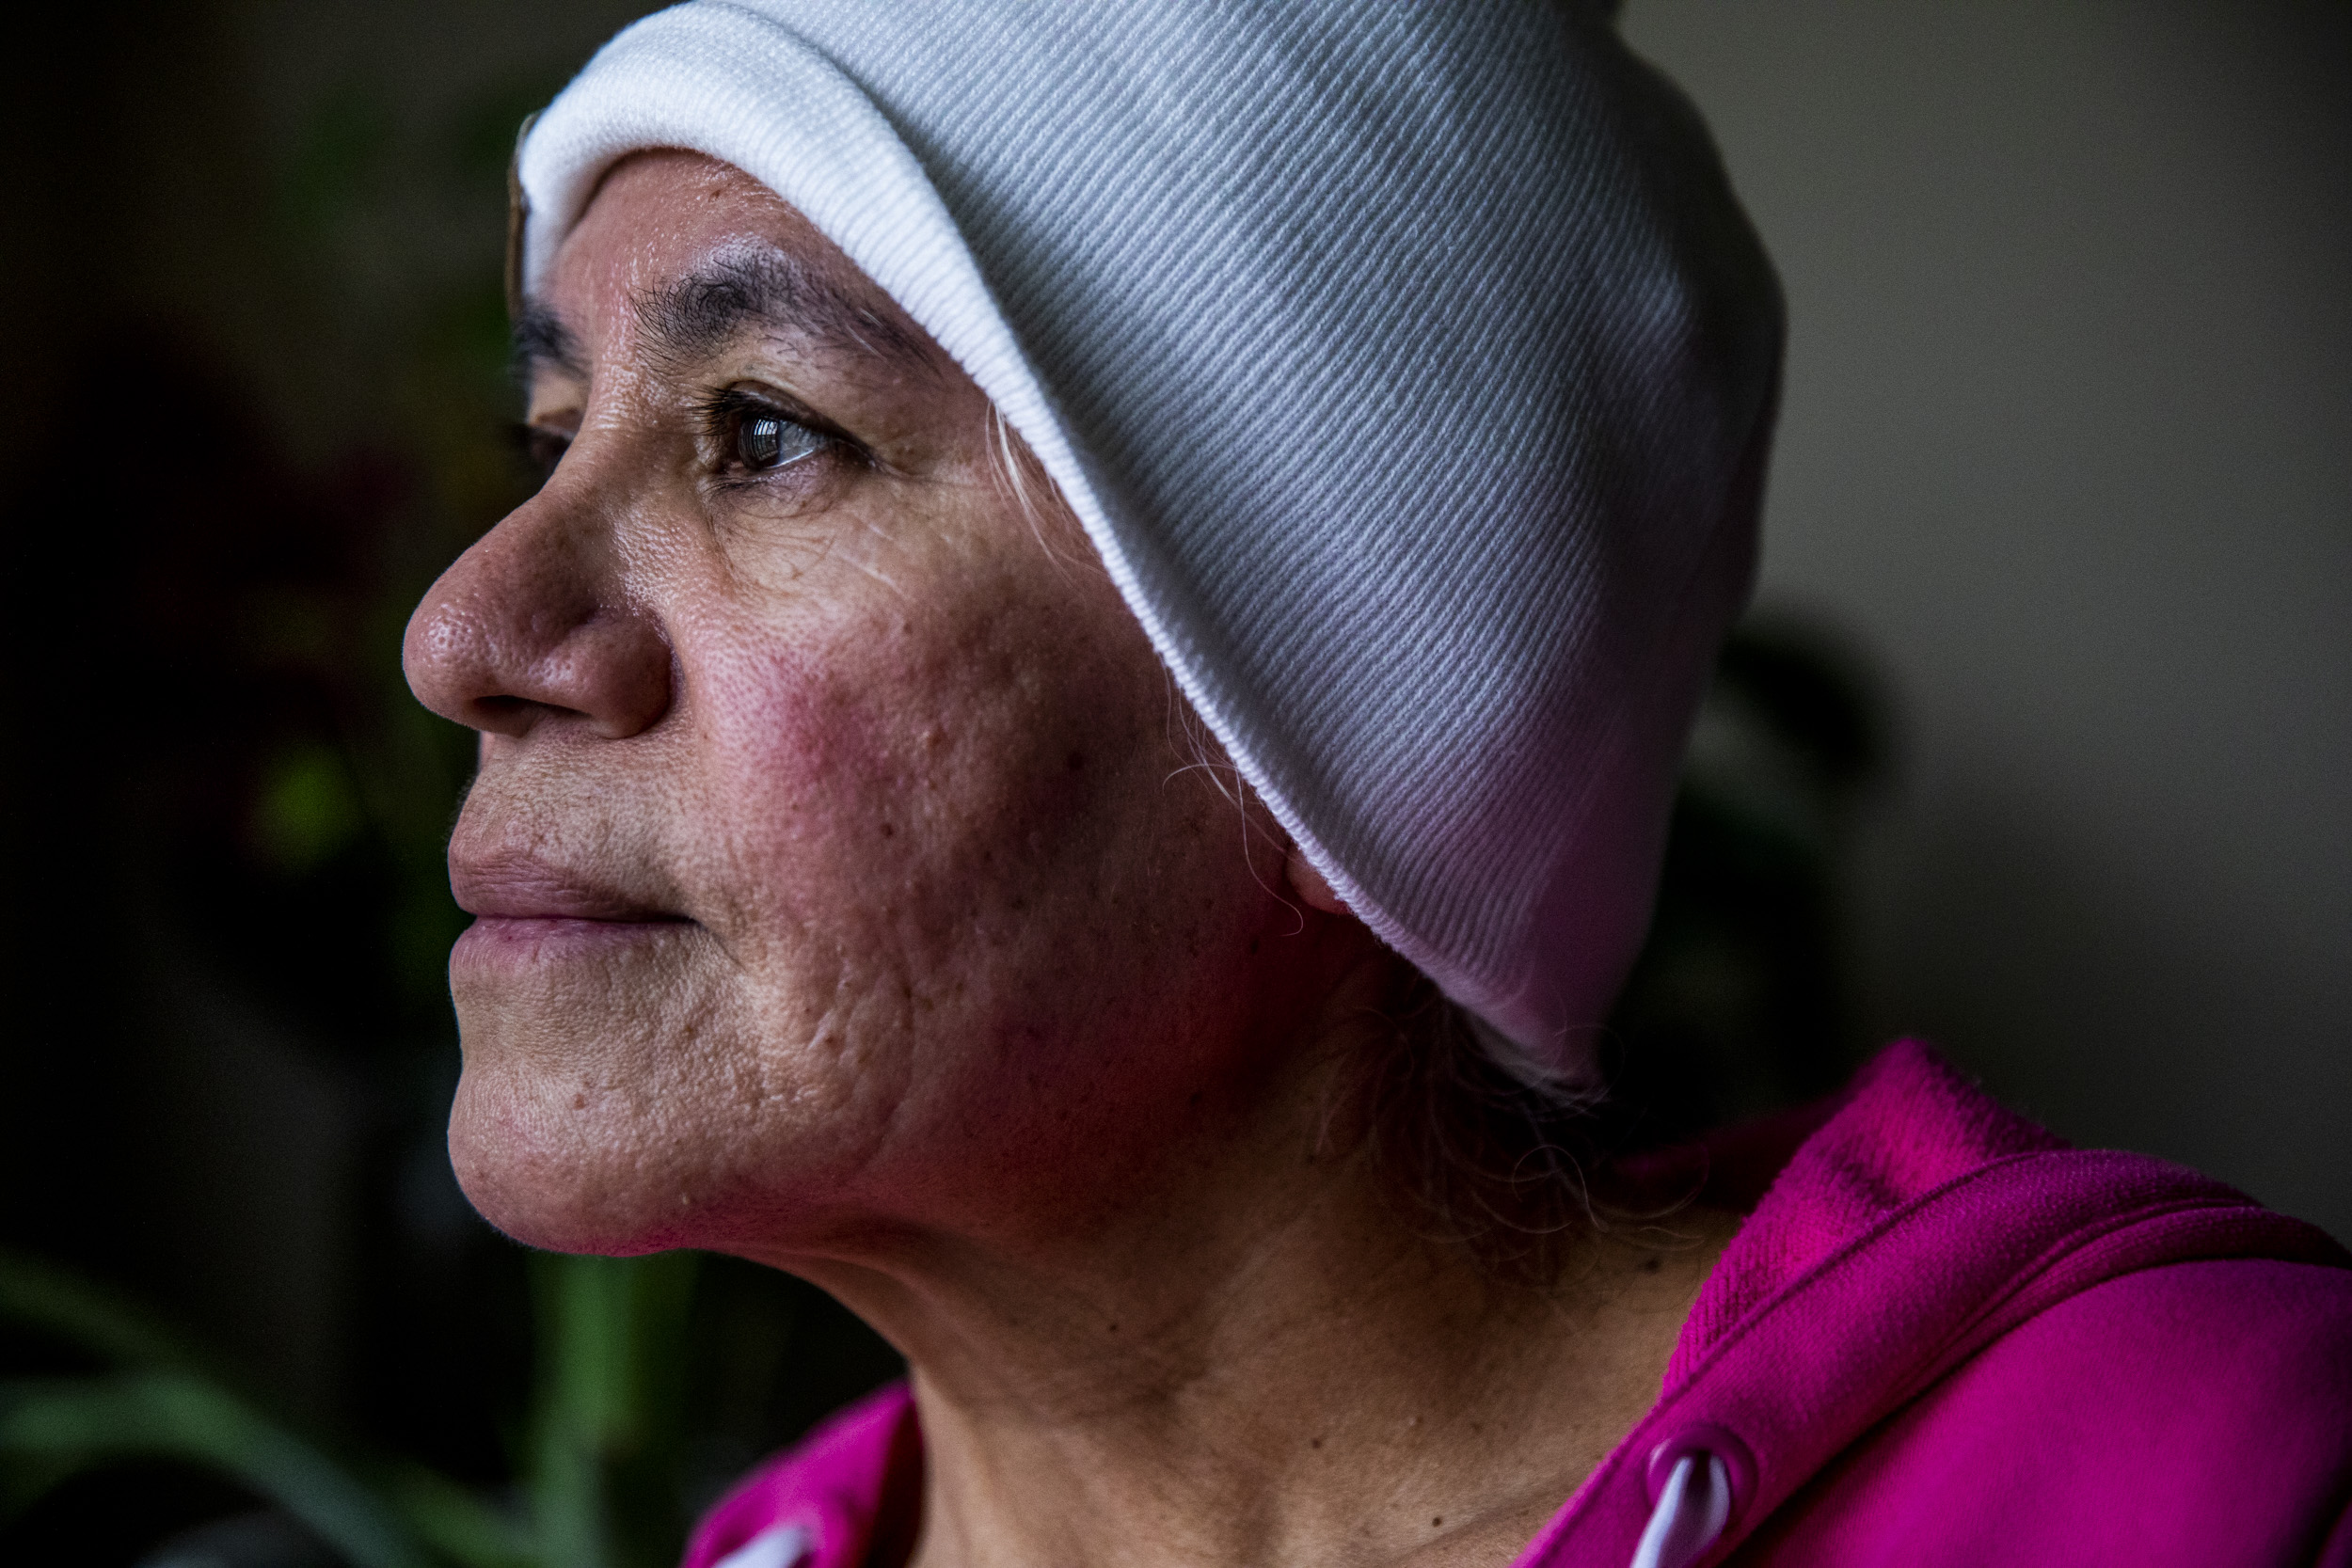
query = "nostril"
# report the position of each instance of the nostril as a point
(502, 711)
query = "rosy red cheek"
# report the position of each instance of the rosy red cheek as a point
(786, 725)
(939, 767)
(809, 757)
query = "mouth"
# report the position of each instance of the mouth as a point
(526, 908)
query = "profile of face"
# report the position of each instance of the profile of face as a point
(837, 867)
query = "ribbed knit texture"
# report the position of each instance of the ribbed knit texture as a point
(1410, 366)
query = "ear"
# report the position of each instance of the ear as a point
(1309, 883)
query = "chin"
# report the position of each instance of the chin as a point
(640, 1140)
(564, 1176)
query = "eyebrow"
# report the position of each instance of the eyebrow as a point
(695, 316)
(543, 343)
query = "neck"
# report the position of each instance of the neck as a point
(1261, 1358)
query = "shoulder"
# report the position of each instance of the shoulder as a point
(2195, 1412)
(2179, 1361)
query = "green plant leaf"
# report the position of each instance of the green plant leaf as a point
(171, 1415)
(61, 1302)
(458, 1523)
(172, 1406)
(605, 1436)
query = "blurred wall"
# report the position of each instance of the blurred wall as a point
(2067, 451)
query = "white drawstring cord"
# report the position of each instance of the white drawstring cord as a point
(777, 1546)
(1692, 1509)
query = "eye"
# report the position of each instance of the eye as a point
(542, 448)
(754, 437)
(771, 441)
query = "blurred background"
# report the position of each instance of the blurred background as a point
(2066, 455)
(2036, 743)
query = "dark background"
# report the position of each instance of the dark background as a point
(2061, 516)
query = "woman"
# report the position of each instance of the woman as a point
(1074, 749)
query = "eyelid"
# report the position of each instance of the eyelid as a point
(739, 395)
(554, 399)
(718, 410)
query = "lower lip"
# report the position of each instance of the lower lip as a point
(518, 940)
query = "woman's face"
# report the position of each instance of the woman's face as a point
(836, 862)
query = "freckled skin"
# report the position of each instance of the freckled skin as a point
(850, 905)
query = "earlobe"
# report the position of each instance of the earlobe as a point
(1313, 890)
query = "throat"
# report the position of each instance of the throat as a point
(1411, 1409)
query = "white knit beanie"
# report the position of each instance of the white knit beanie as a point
(1410, 365)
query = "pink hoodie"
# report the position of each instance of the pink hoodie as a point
(1943, 1337)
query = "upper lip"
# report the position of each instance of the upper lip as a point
(522, 887)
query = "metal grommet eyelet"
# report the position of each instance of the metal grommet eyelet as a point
(1705, 1438)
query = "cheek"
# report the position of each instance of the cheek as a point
(651, 1092)
(964, 931)
(906, 788)
(961, 844)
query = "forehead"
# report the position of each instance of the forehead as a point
(680, 254)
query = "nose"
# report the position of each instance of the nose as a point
(530, 626)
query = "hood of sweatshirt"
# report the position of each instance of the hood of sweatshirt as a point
(1941, 1335)
(1919, 1227)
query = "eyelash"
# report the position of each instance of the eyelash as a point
(727, 418)
(742, 426)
